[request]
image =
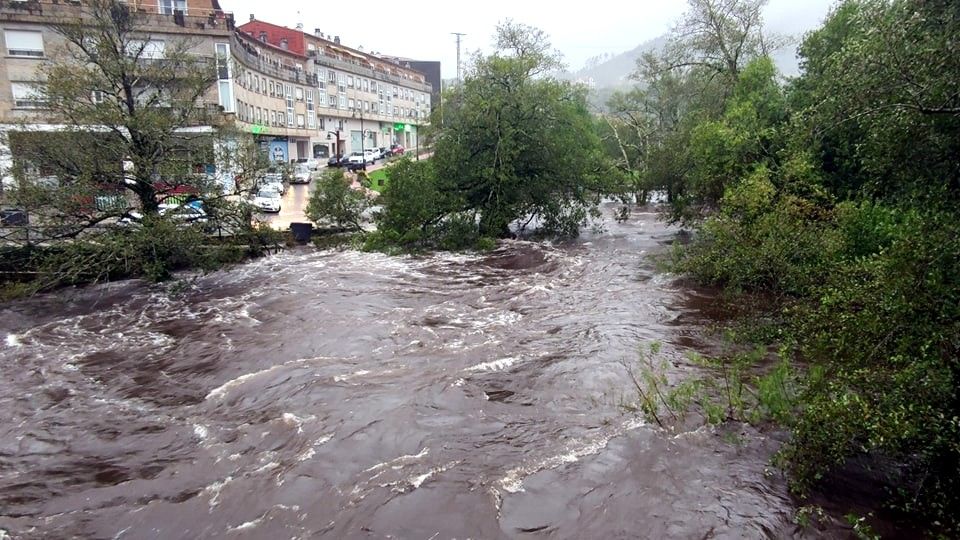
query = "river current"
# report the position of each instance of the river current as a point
(341, 394)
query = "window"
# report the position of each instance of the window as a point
(226, 96)
(263, 85)
(366, 105)
(343, 102)
(259, 115)
(273, 118)
(150, 49)
(332, 101)
(341, 82)
(333, 76)
(271, 89)
(349, 81)
(280, 120)
(22, 43)
(351, 104)
(299, 94)
(256, 84)
(373, 87)
(322, 97)
(288, 90)
(366, 85)
(28, 95)
(167, 7)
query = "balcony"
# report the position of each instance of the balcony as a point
(357, 69)
(249, 58)
(53, 11)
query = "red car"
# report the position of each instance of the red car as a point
(396, 150)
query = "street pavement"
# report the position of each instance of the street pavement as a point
(295, 199)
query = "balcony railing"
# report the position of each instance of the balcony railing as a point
(251, 60)
(51, 10)
(357, 69)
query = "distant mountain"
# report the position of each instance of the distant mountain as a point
(613, 71)
(607, 73)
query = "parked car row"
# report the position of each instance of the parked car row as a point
(358, 160)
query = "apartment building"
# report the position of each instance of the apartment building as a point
(29, 41)
(276, 98)
(361, 100)
(301, 95)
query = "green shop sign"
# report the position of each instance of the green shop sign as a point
(257, 129)
(399, 127)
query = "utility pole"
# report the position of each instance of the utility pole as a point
(458, 34)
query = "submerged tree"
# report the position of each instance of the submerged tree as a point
(517, 144)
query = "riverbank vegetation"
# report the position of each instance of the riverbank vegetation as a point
(837, 195)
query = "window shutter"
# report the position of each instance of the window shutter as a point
(23, 43)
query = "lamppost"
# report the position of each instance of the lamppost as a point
(363, 153)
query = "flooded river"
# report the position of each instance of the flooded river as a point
(340, 394)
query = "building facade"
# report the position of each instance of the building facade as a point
(301, 95)
(361, 100)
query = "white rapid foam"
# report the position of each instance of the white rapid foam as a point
(214, 490)
(512, 482)
(13, 340)
(348, 376)
(401, 460)
(247, 525)
(221, 391)
(494, 365)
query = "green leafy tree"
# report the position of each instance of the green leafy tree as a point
(519, 145)
(126, 105)
(335, 202)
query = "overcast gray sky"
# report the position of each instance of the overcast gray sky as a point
(421, 29)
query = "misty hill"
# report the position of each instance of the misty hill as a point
(613, 71)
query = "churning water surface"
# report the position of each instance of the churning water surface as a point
(343, 394)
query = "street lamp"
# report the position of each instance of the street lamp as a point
(363, 153)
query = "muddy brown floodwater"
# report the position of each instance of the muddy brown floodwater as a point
(341, 394)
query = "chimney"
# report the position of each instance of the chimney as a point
(317, 32)
(252, 18)
(300, 26)
(336, 39)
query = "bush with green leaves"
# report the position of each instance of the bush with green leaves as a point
(334, 202)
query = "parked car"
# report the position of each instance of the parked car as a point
(302, 175)
(310, 163)
(192, 212)
(396, 150)
(272, 181)
(267, 200)
(377, 153)
(358, 158)
(336, 161)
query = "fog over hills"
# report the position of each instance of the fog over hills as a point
(613, 71)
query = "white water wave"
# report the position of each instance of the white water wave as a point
(221, 391)
(512, 482)
(494, 365)
(401, 460)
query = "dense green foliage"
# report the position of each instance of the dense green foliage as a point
(839, 194)
(514, 147)
(334, 202)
